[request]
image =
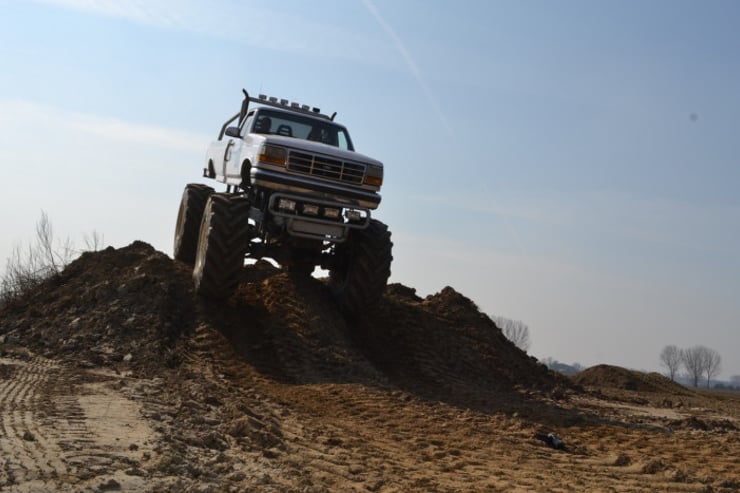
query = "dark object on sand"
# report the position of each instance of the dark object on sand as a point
(551, 439)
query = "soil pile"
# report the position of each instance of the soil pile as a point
(607, 376)
(135, 304)
(106, 307)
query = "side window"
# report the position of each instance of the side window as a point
(343, 142)
(263, 125)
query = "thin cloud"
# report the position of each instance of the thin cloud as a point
(103, 127)
(410, 63)
(241, 22)
(136, 11)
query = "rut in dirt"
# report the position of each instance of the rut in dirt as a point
(135, 306)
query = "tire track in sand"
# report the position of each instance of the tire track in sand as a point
(60, 427)
(29, 456)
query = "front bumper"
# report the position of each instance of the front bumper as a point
(290, 211)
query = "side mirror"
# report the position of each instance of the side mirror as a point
(233, 132)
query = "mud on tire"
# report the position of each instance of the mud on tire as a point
(360, 278)
(189, 217)
(222, 244)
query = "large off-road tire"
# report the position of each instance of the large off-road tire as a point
(363, 268)
(222, 245)
(189, 217)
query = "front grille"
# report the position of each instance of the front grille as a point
(326, 168)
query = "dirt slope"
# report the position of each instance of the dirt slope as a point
(113, 376)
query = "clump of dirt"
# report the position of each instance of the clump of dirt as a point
(607, 376)
(654, 466)
(6, 371)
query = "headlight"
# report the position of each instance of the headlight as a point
(374, 176)
(273, 155)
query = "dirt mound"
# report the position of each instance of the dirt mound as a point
(241, 376)
(621, 378)
(133, 304)
(443, 345)
(106, 307)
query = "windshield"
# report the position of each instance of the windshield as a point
(301, 127)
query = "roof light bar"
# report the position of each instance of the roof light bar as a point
(285, 103)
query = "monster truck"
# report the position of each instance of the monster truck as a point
(296, 192)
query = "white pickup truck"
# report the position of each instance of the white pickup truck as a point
(297, 192)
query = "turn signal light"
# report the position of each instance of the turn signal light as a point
(374, 180)
(273, 155)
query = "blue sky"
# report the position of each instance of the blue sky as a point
(573, 164)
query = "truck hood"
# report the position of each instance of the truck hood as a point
(319, 148)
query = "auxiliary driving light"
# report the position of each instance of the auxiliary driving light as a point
(353, 215)
(311, 209)
(331, 213)
(286, 205)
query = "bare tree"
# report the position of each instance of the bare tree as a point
(670, 358)
(712, 364)
(701, 361)
(44, 257)
(53, 257)
(93, 241)
(693, 362)
(516, 331)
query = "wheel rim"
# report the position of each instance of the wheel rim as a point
(200, 253)
(179, 229)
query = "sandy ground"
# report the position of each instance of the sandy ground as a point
(275, 392)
